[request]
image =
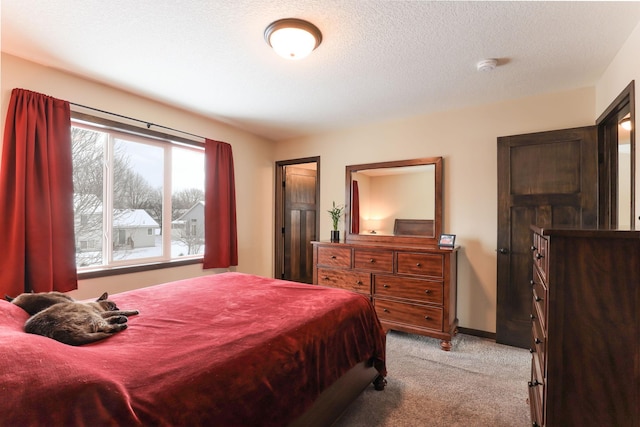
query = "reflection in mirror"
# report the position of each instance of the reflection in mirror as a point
(624, 173)
(395, 202)
(390, 194)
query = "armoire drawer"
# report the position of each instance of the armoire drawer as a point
(334, 256)
(421, 316)
(420, 290)
(345, 279)
(422, 264)
(373, 260)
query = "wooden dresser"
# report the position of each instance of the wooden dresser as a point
(413, 288)
(585, 341)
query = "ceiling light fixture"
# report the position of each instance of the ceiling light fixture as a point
(487, 64)
(293, 38)
(625, 123)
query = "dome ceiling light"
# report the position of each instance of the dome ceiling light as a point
(625, 123)
(293, 38)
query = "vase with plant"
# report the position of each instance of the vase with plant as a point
(336, 213)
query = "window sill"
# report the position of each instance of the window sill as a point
(114, 271)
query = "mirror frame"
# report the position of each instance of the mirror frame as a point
(412, 240)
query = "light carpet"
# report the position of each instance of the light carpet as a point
(477, 383)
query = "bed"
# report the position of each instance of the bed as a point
(230, 349)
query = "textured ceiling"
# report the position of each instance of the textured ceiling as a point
(378, 59)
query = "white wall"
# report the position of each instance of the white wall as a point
(253, 161)
(624, 68)
(467, 139)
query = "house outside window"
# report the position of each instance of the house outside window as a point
(129, 189)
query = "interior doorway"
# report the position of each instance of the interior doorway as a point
(297, 220)
(616, 147)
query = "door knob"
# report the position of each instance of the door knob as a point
(503, 251)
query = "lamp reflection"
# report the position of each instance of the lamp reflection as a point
(372, 225)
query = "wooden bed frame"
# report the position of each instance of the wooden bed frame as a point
(334, 401)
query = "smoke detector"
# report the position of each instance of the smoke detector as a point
(487, 64)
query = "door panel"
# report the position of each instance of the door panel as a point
(547, 179)
(299, 223)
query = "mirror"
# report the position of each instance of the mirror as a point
(398, 201)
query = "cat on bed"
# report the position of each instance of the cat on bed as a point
(35, 302)
(72, 322)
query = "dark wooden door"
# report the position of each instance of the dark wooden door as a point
(549, 179)
(299, 223)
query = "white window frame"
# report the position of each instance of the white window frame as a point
(107, 236)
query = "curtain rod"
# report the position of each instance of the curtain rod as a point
(149, 124)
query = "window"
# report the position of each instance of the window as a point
(133, 197)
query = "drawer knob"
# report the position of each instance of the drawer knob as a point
(533, 248)
(427, 291)
(418, 264)
(532, 317)
(539, 255)
(385, 286)
(531, 350)
(372, 260)
(427, 318)
(358, 282)
(538, 341)
(333, 257)
(531, 282)
(385, 310)
(538, 299)
(325, 277)
(534, 383)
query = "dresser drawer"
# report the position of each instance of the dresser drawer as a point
(373, 260)
(420, 264)
(540, 297)
(538, 343)
(539, 251)
(345, 279)
(408, 288)
(333, 256)
(411, 314)
(536, 397)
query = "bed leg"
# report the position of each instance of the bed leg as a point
(379, 383)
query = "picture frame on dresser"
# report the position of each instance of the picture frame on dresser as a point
(447, 240)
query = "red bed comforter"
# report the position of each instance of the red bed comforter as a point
(223, 350)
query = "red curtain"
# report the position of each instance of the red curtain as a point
(355, 209)
(220, 231)
(36, 196)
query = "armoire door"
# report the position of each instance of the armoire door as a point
(549, 179)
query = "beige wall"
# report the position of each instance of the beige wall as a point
(467, 140)
(253, 161)
(623, 69)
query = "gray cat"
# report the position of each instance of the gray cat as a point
(72, 322)
(35, 302)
